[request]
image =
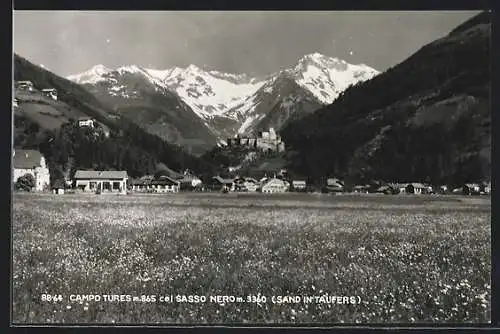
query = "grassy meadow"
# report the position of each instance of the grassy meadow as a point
(404, 258)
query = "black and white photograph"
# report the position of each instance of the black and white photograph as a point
(184, 168)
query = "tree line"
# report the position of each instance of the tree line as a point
(72, 147)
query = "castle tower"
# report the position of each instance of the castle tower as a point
(272, 134)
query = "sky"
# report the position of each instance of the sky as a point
(256, 43)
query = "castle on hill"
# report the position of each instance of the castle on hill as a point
(265, 141)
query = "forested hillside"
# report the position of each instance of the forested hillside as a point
(128, 147)
(426, 119)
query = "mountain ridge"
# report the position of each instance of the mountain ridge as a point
(227, 101)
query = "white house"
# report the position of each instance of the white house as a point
(487, 188)
(189, 180)
(299, 184)
(25, 85)
(251, 184)
(104, 181)
(31, 162)
(86, 121)
(471, 188)
(334, 185)
(275, 186)
(50, 92)
(412, 188)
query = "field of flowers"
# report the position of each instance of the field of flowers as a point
(402, 258)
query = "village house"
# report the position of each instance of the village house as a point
(299, 185)
(25, 85)
(189, 182)
(361, 189)
(164, 184)
(31, 162)
(251, 184)
(334, 185)
(15, 102)
(487, 188)
(86, 121)
(142, 184)
(275, 185)
(101, 181)
(412, 188)
(217, 183)
(444, 189)
(471, 189)
(383, 189)
(239, 184)
(245, 184)
(50, 92)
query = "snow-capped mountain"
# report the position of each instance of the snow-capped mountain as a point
(229, 103)
(92, 76)
(209, 93)
(327, 77)
(145, 100)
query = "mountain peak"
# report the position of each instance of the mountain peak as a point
(193, 67)
(100, 69)
(327, 76)
(314, 56)
(131, 69)
(92, 75)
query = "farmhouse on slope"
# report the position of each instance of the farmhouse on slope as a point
(31, 162)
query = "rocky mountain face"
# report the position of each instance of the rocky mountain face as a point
(135, 94)
(426, 119)
(228, 103)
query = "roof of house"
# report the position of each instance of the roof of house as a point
(188, 178)
(143, 180)
(27, 159)
(334, 182)
(20, 82)
(383, 188)
(361, 186)
(49, 90)
(274, 180)
(85, 118)
(472, 185)
(414, 184)
(162, 180)
(223, 181)
(101, 175)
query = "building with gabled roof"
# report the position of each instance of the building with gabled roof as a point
(275, 185)
(31, 162)
(164, 184)
(50, 92)
(25, 85)
(219, 183)
(86, 121)
(101, 181)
